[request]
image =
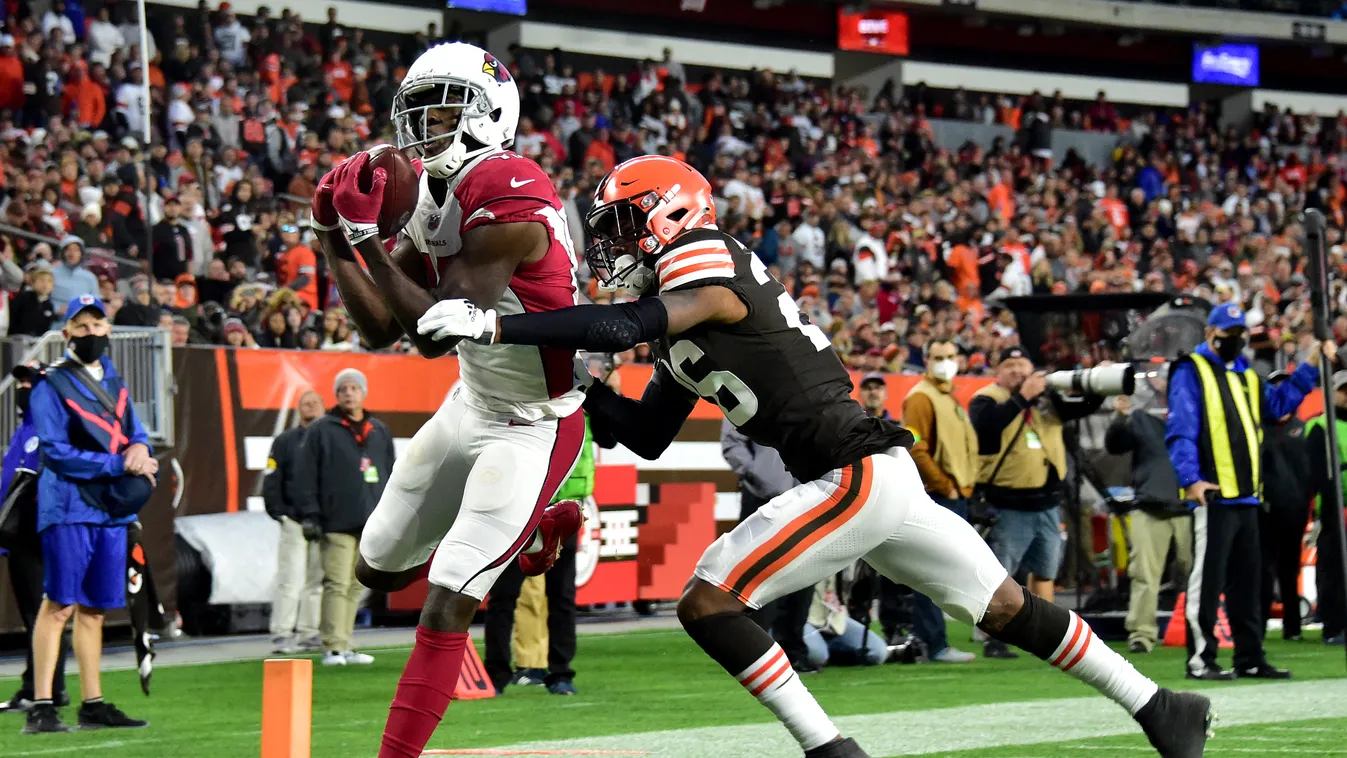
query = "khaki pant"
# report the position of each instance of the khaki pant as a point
(529, 641)
(299, 583)
(341, 592)
(1151, 536)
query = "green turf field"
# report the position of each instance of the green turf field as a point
(655, 694)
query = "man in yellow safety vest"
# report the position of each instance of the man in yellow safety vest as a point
(1214, 432)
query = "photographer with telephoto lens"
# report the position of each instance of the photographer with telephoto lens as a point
(1022, 453)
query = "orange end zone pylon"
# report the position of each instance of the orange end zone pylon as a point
(287, 707)
(473, 683)
(1176, 633)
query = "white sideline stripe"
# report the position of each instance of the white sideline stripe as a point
(947, 730)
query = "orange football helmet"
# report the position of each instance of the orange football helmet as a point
(639, 208)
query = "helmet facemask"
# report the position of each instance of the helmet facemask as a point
(442, 150)
(622, 241)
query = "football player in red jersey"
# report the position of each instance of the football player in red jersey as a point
(473, 487)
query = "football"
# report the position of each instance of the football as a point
(400, 191)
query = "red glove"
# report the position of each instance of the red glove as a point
(322, 216)
(358, 210)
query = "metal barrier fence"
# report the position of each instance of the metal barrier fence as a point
(143, 357)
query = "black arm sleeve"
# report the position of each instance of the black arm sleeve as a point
(646, 426)
(600, 328)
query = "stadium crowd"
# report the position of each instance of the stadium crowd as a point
(886, 238)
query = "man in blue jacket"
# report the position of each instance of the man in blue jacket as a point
(19, 480)
(97, 472)
(1216, 407)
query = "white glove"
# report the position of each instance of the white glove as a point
(458, 318)
(357, 232)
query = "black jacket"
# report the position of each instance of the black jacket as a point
(990, 420)
(29, 315)
(132, 313)
(172, 252)
(278, 484)
(334, 483)
(1288, 472)
(1154, 482)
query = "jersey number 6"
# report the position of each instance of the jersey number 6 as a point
(726, 390)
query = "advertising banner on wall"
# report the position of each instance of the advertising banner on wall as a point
(232, 403)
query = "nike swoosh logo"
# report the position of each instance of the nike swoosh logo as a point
(515, 183)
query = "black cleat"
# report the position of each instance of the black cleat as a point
(1211, 674)
(1177, 723)
(838, 748)
(1264, 671)
(998, 649)
(43, 719)
(105, 715)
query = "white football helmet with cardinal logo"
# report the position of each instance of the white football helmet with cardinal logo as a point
(456, 102)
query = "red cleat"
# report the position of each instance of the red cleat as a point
(561, 520)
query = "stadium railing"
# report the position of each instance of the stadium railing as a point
(144, 358)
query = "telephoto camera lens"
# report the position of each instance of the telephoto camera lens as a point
(1118, 379)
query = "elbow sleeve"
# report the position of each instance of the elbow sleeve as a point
(606, 328)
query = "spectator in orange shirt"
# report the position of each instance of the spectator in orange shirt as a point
(11, 75)
(1115, 209)
(298, 266)
(963, 263)
(601, 150)
(305, 182)
(338, 73)
(84, 100)
(1001, 198)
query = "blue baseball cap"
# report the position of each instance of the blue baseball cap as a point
(1227, 316)
(81, 303)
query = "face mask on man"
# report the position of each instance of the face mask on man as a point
(945, 370)
(89, 347)
(1229, 347)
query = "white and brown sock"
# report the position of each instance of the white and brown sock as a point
(760, 665)
(1061, 638)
